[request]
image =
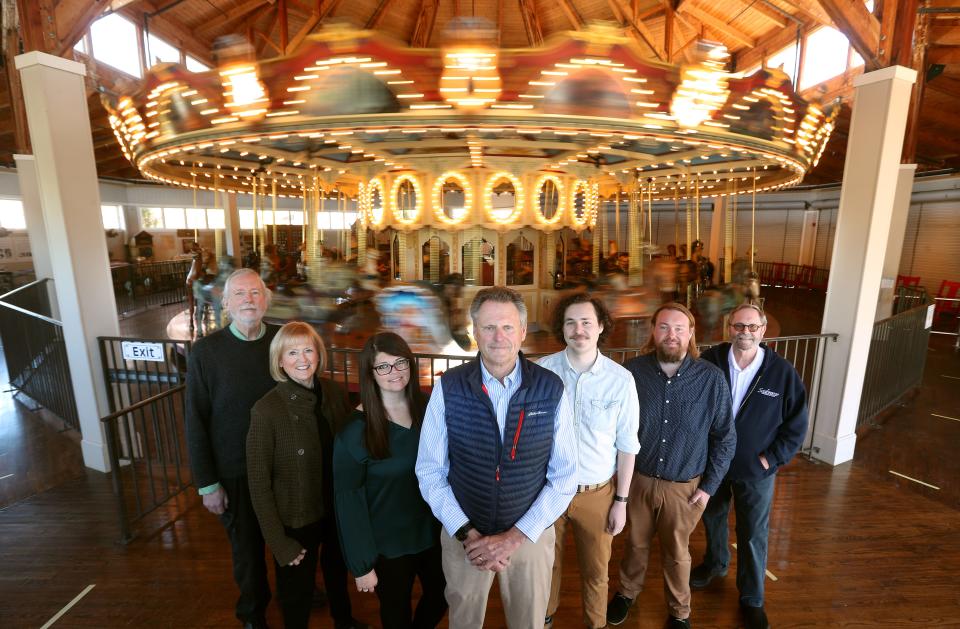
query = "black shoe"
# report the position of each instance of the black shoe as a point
(702, 575)
(678, 623)
(617, 609)
(754, 617)
(352, 624)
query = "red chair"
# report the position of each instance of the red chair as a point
(912, 281)
(949, 290)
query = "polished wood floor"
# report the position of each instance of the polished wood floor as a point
(850, 546)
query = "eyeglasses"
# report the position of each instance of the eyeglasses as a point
(383, 369)
(740, 327)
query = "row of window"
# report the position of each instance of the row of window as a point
(825, 56)
(113, 39)
(157, 218)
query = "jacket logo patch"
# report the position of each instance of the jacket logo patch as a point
(768, 393)
(535, 413)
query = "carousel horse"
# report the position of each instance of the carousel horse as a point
(208, 291)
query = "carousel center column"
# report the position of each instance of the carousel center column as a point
(56, 103)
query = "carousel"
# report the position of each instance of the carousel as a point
(492, 165)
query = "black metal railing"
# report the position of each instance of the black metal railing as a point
(146, 443)
(149, 284)
(898, 353)
(35, 351)
(131, 377)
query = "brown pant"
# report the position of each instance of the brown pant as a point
(659, 507)
(587, 516)
(524, 584)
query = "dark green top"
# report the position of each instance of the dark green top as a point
(379, 507)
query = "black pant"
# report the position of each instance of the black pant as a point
(246, 543)
(295, 583)
(395, 588)
(334, 571)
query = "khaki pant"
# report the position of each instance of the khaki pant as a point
(659, 507)
(524, 585)
(587, 516)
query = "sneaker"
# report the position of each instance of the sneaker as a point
(702, 575)
(754, 617)
(678, 623)
(617, 609)
(548, 622)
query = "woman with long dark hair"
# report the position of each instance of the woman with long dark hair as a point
(389, 536)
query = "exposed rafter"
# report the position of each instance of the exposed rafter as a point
(531, 22)
(718, 25)
(80, 26)
(576, 21)
(426, 18)
(238, 12)
(860, 27)
(637, 28)
(378, 13)
(765, 11)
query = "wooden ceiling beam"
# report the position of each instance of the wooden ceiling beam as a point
(32, 16)
(426, 19)
(945, 35)
(238, 12)
(576, 21)
(639, 29)
(859, 25)
(319, 14)
(173, 30)
(80, 26)
(531, 22)
(763, 10)
(266, 35)
(713, 22)
(378, 14)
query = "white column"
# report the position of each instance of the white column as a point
(898, 227)
(231, 225)
(36, 230)
(877, 126)
(59, 123)
(715, 250)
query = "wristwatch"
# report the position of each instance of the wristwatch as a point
(461, 534)
(619, 498)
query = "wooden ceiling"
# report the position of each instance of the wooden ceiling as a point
(924, 34)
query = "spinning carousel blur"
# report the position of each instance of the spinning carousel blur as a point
(470, 165)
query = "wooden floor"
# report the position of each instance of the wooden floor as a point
(850, 546)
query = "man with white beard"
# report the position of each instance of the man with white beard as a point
(687, 439)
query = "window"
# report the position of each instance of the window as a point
(115, 43)
(159, 51)
(81, 46)
(11, 214)
(113, 217)
(787, 58)
(825, 56)
(151, 218)
(196, 218)
(215, 219)
(335, 220)
(196, 66)
(173, 218)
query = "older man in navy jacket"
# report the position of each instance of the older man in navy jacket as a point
(770, 410)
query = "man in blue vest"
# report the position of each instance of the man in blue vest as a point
(497, 465)
(770, 409)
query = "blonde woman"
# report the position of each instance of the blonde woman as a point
(285, 462)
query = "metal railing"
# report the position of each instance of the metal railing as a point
(947, 307)
(149, 284)
(146, 443)
(132, 380)
(898, 353)
(791, 275)
(35, 351)
(908, 297)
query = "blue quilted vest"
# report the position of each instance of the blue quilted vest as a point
(495, 483)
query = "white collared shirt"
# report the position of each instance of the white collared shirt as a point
(606, 413)
(740, 379)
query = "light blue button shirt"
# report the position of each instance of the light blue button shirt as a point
(606, 413)
(433, 463)
(740, 379)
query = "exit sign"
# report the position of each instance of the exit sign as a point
(142, 351)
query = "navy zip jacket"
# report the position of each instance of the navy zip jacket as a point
(772, 420)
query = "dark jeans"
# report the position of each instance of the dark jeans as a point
(295, 583)
(334, 571)
(246, 544)
(395, 588)
(752, 500)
